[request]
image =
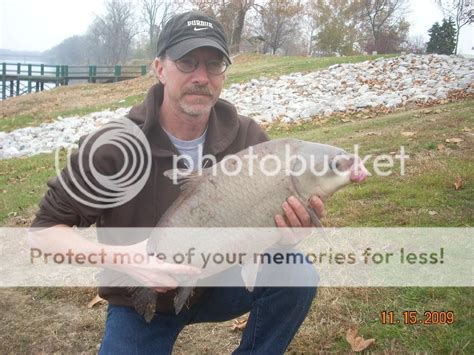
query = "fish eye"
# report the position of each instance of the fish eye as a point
(341, 162)
(335, 164)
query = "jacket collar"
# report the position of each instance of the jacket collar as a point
(222, 127)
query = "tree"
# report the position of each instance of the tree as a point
(278, 22)
(312, 13)
(70, 51)
(442, 38)
(416, 45)
(384, 20)
(462, 11)
(242, 7)
(111, 35)
(231, 14)
(155, 20)
(339, 27)
(149, 15)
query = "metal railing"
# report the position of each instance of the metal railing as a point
(36, 75)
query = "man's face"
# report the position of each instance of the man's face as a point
(193, 93)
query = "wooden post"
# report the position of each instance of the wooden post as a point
(42, 74)
(117, 73)
(62, 75)
(29, 78)
(66, 74)
(18, 71)
(143, 70)
(57, 75)
(12, 86)
(4, 73)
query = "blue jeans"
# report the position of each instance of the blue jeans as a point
(276, 314)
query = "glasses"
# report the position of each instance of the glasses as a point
(190, 64)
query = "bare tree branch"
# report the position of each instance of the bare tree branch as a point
(462, 11)
(112, 34)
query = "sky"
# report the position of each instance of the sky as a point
(37, 25)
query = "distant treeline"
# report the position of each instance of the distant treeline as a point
(129, 29)
(7, 55)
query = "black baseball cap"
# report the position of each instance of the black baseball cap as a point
(188, 31)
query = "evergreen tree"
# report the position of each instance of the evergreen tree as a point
(448, 34)
(435, 38)
(442, 38)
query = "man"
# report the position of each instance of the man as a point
(180, 113)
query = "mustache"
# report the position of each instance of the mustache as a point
(198, 90)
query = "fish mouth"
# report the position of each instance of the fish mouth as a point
(349, 165)
(358, 171)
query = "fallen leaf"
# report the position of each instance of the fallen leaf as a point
(454, 140)
(466, 129)
(371, 133)
(432, 213)
(240, 323)
(441, 147)
(458, 183)
(408, 134)
(357, 343)
(438, 111)
(97, 299)
(345, 120)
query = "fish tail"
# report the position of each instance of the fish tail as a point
(144, 302)
(182, 296)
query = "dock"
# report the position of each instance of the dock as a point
(18, 78)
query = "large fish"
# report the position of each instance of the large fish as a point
(220, 197)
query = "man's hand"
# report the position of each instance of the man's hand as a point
(297, 216)
(151, 271)
(154, 273)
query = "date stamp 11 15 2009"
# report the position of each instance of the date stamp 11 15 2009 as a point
(414, 317)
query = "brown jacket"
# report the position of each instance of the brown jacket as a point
(227, 133)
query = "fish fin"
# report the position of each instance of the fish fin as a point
(317, 222)
(186, 181)
(249, 274)
(182, 296)
(314, 218)
(144, 301)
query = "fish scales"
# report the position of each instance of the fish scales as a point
(233, 201)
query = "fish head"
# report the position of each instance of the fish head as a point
(328, 169)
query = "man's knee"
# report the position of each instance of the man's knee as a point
(293, 271)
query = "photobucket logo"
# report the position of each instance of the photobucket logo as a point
(340, 164)
(86, 177)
